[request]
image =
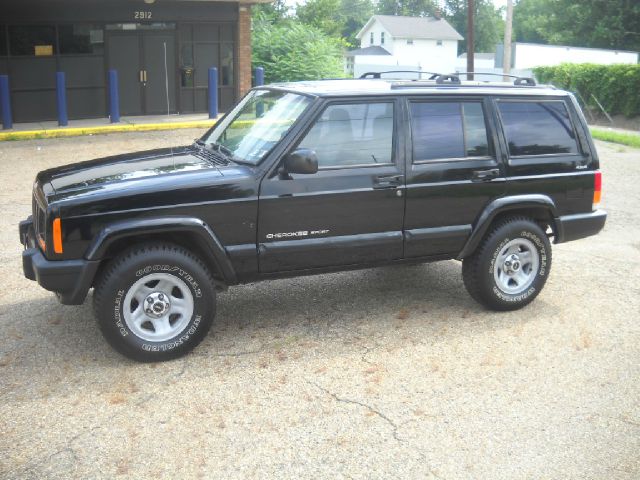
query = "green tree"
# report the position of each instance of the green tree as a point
(355, 14)
(336, 18)
(529, 20)
(409, 8)
(325, 15)
(276, 11)
(290, 50)
(586, 23)
(488, 23)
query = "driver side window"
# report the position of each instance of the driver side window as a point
(357, 134)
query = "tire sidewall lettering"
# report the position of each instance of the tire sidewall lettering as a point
(542, 250)
(497, 250)
(175, 270)
(171, 344)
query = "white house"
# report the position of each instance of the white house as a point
(391, 42)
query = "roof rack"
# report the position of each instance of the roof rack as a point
(519, 81)
(434, 75)
(452, 78)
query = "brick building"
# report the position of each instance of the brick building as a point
(161, 49)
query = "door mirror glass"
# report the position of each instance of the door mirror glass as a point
(302, 160)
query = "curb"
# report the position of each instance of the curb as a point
(102, 129)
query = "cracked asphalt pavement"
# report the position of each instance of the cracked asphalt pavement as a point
(384, 373)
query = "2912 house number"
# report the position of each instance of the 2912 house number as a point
(142, 15)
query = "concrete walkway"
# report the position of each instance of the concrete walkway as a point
(51, 129)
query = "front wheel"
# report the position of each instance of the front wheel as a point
(155, 302)
(510, 267)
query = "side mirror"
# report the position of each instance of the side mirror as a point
(302, 160)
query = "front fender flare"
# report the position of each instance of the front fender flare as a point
(211, 245)
(501, 205)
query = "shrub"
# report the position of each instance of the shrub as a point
(290, 51)
(617, 87)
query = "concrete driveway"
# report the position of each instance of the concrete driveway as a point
(383, 373)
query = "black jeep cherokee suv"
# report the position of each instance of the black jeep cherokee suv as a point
(312, 177)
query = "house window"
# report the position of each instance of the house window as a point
(439, 43)
(81, 38)
(409, 41)
(381, 38)
(371, 38)
(32, 40)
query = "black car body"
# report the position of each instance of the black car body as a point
(434, 166)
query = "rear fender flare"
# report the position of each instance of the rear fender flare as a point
(501, 205)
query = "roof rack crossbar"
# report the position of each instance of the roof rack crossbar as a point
(433, 75)
(520, 81)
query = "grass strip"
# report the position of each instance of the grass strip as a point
(623, 138)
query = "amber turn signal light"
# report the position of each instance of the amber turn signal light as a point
(57, 236)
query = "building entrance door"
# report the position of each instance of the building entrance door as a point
(146, 65)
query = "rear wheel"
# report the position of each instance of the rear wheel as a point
(155, 302)
(511, 265)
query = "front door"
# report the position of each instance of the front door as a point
(145, 62)
(351, 211)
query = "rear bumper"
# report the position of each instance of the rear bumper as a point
(69, 279)
(573, 227)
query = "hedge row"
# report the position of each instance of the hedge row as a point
(617, 87)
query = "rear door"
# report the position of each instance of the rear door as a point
(453, 172)
(351, 211)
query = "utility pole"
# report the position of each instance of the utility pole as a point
(506, 59)
(470, 47)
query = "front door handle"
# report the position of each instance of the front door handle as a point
(485, 175)
(387, 181)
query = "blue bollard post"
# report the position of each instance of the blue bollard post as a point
(61, 99)
(213, 92)
(259, 73)
(5, 102)
(114, 98)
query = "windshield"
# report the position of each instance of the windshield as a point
(257, 123)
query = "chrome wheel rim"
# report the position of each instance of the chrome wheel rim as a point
(158, 307)
(516, 266)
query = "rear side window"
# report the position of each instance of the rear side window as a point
(352, 135)
(538, 128)
(442, 130)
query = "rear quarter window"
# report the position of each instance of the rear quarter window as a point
(537, 127)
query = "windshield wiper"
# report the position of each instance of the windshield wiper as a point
(221, 149)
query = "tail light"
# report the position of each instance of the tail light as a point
(597, 189)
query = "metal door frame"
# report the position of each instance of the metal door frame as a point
(140, 34)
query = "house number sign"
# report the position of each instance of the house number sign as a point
(142, 15)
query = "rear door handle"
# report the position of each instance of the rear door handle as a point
(485, 175)
(387, 181)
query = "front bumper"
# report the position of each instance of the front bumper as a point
(69, 279)
(573, 227)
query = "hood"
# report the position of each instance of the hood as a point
(101, 172)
